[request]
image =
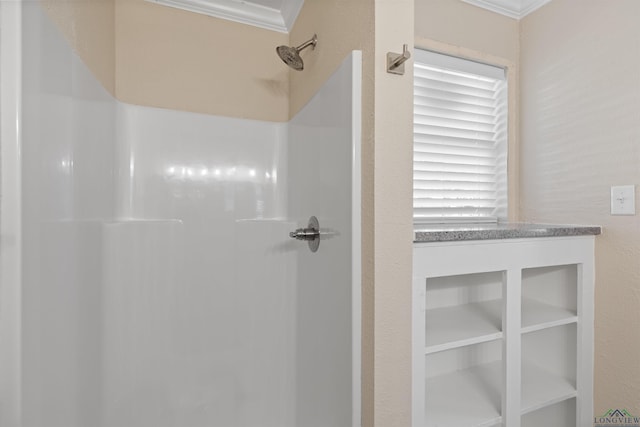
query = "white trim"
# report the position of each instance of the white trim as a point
(243, 12)
(10, 212)
(511, 346)
(512, 12)
(290, 10)
(457, 63)
(356, 235)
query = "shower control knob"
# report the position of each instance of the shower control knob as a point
(310, 234)
(304, 234)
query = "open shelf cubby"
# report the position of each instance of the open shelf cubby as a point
(463, 386)
(548, 367)
(549, 297)
(463, 310)
(562, 414)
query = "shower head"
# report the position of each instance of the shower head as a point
(291, 55)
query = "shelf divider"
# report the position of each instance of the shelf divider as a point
(511, 347)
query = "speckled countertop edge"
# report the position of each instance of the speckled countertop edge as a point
(462, 232)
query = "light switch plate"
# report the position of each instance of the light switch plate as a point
(623, 200)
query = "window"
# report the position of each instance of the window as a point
(459, 140)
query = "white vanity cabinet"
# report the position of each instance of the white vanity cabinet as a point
(503, 332)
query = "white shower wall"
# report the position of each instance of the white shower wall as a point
(159, 285)
(208, 339)
(67, 191)
(323, 180)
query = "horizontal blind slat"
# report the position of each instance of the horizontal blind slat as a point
(434, 185)
(461, 89)
(436, 167)
(425, 149)
(454, 132)
(450, 105)
(454, 141)
(452, 176)
(426, 95)
(420, 195)
(452, 213)
(443, 112)
(462, 159)
(454, 123)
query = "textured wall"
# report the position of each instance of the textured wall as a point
(170, 58)
(580, 135)
(393, 209)
(334, 21)
(152, 55)
(461, 24)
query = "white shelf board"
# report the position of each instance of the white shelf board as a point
(470, 397)
(462, 325)
(541, 388)
(537, 315)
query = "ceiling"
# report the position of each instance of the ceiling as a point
(280, 15)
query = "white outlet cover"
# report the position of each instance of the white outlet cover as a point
(623, 200)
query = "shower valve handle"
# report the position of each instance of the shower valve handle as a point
(311, 234)
(305, 234)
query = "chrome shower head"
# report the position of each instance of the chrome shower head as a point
(291, 55)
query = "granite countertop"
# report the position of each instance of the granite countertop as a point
(490, 231)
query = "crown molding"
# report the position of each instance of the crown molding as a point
(290, 11)
(243, 12)
(516, 9)
(534, 5)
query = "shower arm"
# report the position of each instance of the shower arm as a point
(312, 42)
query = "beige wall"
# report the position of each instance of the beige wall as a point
(580, 135)
(460, 24)
(170, 58)
(157, 56)
(393, 210)
(333, 22)
(89, 27)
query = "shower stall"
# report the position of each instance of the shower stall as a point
(148, 278)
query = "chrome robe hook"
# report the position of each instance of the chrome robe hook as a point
(395, 61)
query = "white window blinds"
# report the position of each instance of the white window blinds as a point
(459, 140)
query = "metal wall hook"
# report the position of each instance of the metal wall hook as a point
(395, 61)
